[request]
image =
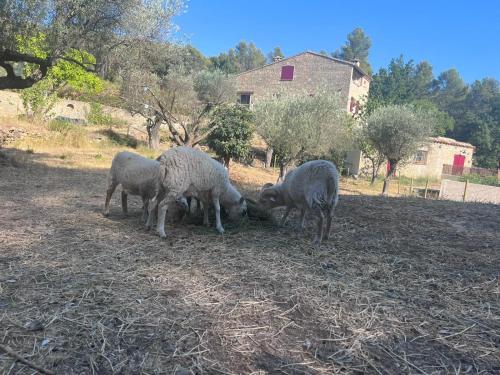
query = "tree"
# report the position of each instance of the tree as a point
(396, 132)
(449, 92)
(301, 125)
(240, 59)
(357, 47)
(276, 52)
(478, 121)
(233, 128)
(83, 25)
(184, 102)
(40, 98)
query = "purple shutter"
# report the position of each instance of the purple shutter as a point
(287, 73)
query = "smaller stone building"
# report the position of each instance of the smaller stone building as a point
(429, 159)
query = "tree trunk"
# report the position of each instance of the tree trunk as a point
(153, 129)
(392, 169)
(269, 157)
(283, 170)
(227, 161)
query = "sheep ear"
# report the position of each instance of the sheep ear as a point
(242, 200)
(268, 185)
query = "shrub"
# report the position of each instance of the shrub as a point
(96, 116)
(60, 126)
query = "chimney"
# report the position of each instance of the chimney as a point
(277, 58)
(356, 61)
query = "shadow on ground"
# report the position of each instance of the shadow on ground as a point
(403, 286)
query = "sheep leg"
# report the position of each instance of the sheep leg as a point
(319, 235)
(152, 212)
(124, 204)
(302, 221)
(145, 204)
(111, 189)
(285, 216)
(218, 224)
(328, 223)
(171, 197)
(206, 222)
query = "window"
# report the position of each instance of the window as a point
(245, 99)
(420, 157)
(287, 73)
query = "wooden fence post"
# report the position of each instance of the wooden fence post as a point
(411, 187)
(399, 180)
(465, 190)
(426, 187)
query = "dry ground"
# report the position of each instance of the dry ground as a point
(403, 286)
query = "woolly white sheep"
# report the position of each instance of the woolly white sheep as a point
(190, 172)
(138, 176)
(314, 187)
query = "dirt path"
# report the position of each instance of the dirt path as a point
(404, 286)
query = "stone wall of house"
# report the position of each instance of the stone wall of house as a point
(311, 72)
(11, 105)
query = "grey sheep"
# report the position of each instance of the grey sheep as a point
(189, 172)
(311, 187)
(138, 176)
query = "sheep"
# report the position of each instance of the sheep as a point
(138, 176)
(313, 186)
(190, 172)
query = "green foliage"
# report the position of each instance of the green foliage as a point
(231, 138)
(96, 116)
(39, 99)
(299, 126)
(60, 126)
(357, 47)
(476, 179)
(397, 131)
(242, 58)
(276, 52)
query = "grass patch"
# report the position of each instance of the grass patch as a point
(118, 139)
(60, 126)
(476, 179)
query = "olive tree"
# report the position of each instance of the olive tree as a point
(83, 25)
(300, 125)
(397, 132)
(184, 102)
(233, 128)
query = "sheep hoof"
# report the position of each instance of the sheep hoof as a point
(105, 213)
(163, 235)
(220, 230)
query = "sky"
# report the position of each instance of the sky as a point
(448, 34)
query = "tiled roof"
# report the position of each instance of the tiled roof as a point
(451, 142)
(333, 59)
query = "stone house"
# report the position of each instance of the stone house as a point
(440, 151)
(305, 72)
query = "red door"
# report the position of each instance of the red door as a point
(458, 165)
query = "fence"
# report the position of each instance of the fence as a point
(469, 192)
(453, 170)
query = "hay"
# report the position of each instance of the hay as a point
(404, 286)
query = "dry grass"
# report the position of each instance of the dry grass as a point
(403, 286)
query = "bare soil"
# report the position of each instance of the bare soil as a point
(404, 286)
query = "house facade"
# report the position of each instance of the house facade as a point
(429, 160)
(306, 72)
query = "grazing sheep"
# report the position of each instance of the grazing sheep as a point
(138, 176)
(313, 186)
(190, 172)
